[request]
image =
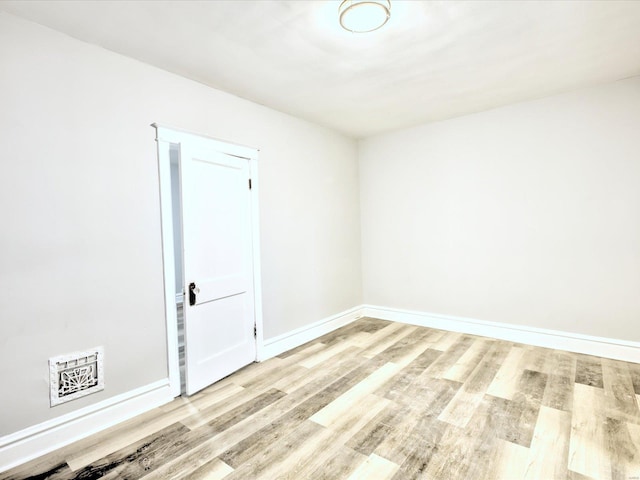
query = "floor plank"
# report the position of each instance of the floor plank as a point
(505, 383)
(374, 468)
(587, 453)
(549, 450)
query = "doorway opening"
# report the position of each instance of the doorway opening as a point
(176, 224)
(211, 257)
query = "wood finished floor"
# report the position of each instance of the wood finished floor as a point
(382, 400)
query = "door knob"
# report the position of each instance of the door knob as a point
(193, 291)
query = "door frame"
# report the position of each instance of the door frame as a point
(165, 136)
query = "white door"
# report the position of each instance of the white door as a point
(217, 259)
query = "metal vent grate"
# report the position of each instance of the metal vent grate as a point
(76, 375)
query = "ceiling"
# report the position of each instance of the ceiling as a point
(433, 60)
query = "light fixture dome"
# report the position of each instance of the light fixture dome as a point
(361, 16)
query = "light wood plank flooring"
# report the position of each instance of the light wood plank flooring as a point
(382, 400)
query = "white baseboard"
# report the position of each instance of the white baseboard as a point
(295, 338)
(572, 342)
(32, 442)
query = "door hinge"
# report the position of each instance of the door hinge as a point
(249, 184)
(255, 331)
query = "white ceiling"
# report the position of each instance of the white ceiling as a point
(433, 60)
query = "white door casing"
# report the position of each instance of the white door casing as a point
(220, 250)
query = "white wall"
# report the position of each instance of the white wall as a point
(527, 214)
(79, 192)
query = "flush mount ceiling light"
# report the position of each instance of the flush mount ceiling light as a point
(362, 16)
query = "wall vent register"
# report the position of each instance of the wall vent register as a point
(76, 375)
